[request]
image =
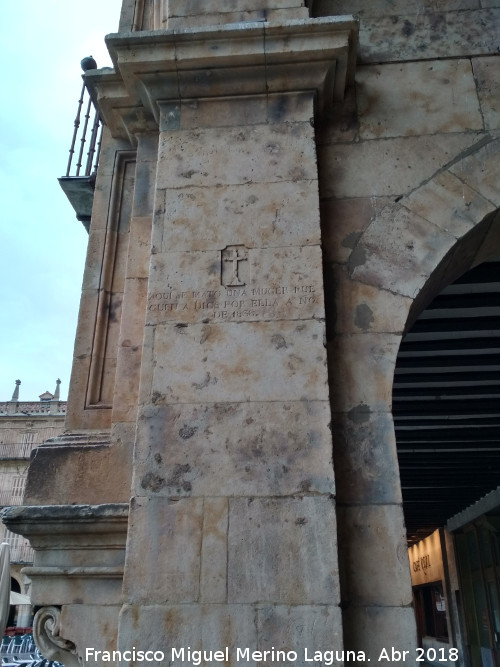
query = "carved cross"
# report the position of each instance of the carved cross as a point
(235, 257)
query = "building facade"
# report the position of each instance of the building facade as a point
(24, 425)
(283, 188)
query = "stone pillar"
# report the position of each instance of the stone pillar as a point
(374, 570)
(233, 511)
(232, 529)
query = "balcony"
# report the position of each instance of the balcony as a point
(79, 181)
(16, 451)
(20, 549)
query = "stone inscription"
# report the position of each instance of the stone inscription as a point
(231, 303)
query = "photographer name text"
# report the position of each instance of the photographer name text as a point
(327, 658)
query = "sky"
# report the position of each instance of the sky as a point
(42, 244)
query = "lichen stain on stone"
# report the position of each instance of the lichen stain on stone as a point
(273, 148)
(176, 479)
(438, 28)
(187, 432)
(363, 317)
(408, 28)
(360, 414)
(279, 342)
(157, 458)
(188, 174)
(297, 174)
(152, 482)
(207, 380)
(300, 521)
(156, 397)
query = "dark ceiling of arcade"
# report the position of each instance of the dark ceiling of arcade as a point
(446, 402)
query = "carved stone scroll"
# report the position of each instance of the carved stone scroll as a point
(46, 627)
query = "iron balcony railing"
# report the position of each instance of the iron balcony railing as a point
(87, 130)
(79, 181)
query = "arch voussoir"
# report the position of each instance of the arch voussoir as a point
(407, 240)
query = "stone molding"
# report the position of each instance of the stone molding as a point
(222, 61)
(88, 439)
(75, 545)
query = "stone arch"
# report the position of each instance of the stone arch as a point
(405, 255)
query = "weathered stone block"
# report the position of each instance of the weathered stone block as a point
(175, 543)
(300, 628)
(227, 156)
(235, 449)
(488, 87)
(90, 626)
(82, 471)
(362, 371)
(225, 112)
(189, 7)
(403, 259)
(375, 628)
(133, 312)
(229, 216)
(147, 366)
(343, 221)
(282, 550)
(355, 307)
(375, 8)
(449, 203)
(425, 36)
(481, 171)
(387, 167)
(238, 17)
(372, 548)
(145, 175)
(213, 580)
(86, 324)
(199, 627)
(128, 368)
(411, 99)
(366, 464)
(139, 248)
(239, 361)
(92, 275)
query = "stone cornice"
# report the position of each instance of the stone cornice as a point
(39, 523)
(73, 543)
(315, 55)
